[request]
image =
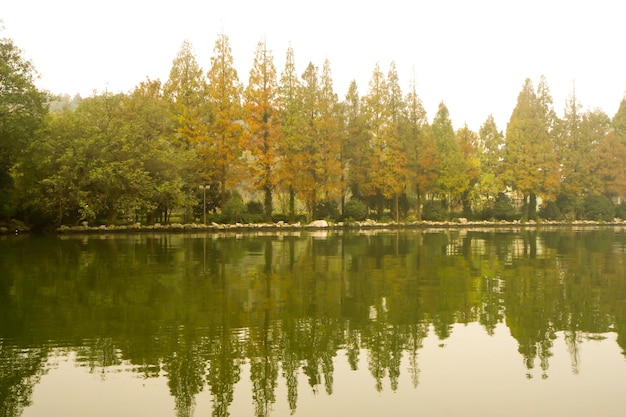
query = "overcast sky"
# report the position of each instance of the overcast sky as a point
(472, 55)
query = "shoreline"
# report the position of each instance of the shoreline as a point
(315, 225)
(323, 225)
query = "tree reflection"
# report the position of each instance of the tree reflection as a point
(201, 309)
(20, 371)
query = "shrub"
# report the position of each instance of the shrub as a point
(434, 210)
(570, 208)
(503, 208)
(620, 210)
(551, 211)
(255, 207)
(234, 209)
(327, 210)
(355, 209)
(598, 207)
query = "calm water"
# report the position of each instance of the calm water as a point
(431, 323)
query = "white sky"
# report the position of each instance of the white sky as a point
(472, 54)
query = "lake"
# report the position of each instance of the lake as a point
(442, 322)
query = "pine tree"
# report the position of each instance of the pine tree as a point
(421, 149)
(291, 120)
(185, 90)
(383, 105)
(355, 142)
(491, 143)
(530, 163)
(469, 142)
(452, 180)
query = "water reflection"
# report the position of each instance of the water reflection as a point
(201, 311)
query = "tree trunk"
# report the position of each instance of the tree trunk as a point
(268, 204)
(532, 207)
(292, 205)
(467, 205)
(418, 205)
(396, 208)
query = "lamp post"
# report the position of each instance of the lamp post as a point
(204, 188)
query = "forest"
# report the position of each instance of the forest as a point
(284, 146)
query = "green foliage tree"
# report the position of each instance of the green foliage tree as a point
(353, 152)
(529, 161)
(112, 156)
(578, 138)
(420, 147)
(22, 108)
(612, 169)
(291, 120)
(619, 120)
(330, 139)
(185, 90)
(491, 143)
(387, 160)
(469, 142)
(317, 152)
(452, 179)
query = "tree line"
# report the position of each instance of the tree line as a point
(289, 146)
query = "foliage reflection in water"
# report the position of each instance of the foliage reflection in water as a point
(300, 323)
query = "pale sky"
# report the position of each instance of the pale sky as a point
(473, 55)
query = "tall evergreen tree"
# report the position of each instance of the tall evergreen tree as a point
(529, 162)
(186, 90)
(452, 180)
(612, 169)
(619, 121)
(291, 120)
(329, 127)
(578, 157)
(319, 148)
(491, 143)
(387, 175)
(355, 142)
(469, 142)
(420, 147)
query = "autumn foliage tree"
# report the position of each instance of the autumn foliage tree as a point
(420, 149)
(263, 129)
(317, 158)
(383, 107)
(222, 154)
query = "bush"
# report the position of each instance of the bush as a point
(551, 211)
(327, 210)
(503, 208)
(255, 207)
(355, 209)
(434, 210)
(234, 209)
(599, 208)
(570, 208)
(620, 210)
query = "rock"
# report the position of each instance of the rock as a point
(318, 223)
